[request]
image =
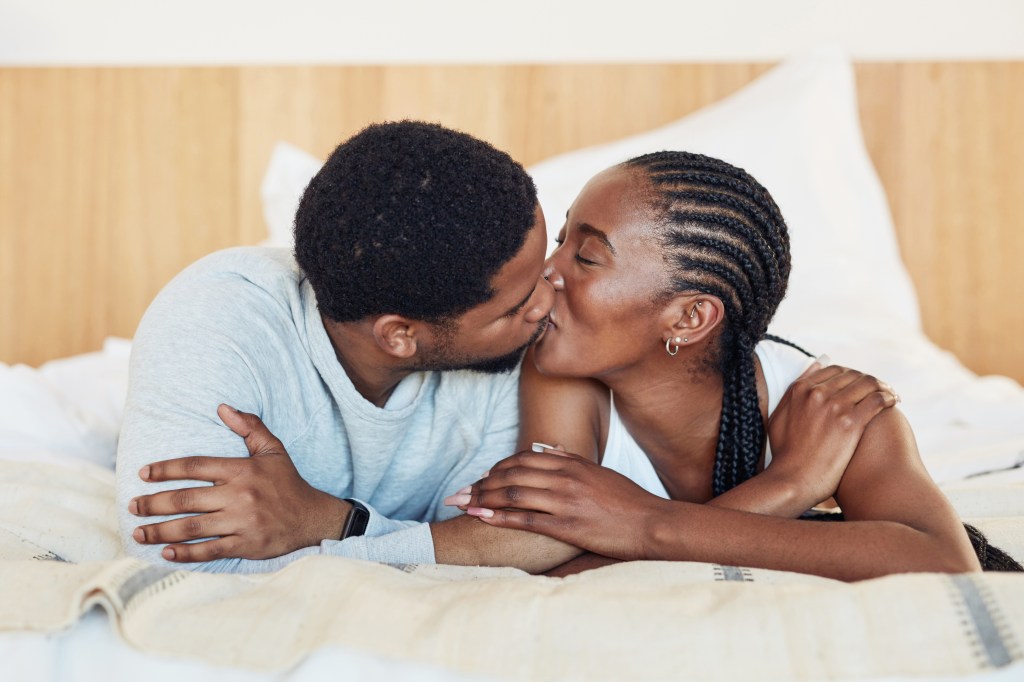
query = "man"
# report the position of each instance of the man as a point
(384, 355)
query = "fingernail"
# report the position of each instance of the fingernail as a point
(539, 447)
(480, 512)
(457, 500)
(485, 474)
(144, 473)
(898, 398)
(133, 506)
(168, 553)
(138, 535)
(464, 491)
(824, 360)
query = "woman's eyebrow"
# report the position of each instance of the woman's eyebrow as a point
(589, 229)
(519, 306)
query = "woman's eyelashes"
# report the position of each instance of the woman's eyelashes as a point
(560, 240)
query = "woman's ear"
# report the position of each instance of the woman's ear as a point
(396, 335)
(690, 318)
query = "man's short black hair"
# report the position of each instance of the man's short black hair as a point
(411, 218)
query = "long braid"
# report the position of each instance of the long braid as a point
(725, 236)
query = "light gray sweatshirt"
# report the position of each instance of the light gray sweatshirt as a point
(242, 327)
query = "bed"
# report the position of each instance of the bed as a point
(73, 603)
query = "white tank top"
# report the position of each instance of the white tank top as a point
(781, 365)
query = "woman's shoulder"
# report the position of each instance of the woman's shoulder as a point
(561, 409)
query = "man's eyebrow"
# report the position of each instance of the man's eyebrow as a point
(589, 229)
(519, 306)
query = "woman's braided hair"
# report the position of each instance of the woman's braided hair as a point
(723, 235)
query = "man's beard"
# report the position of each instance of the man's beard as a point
(443, 360)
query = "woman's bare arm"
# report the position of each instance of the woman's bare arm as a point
(898, 520)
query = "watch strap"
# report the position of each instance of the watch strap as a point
(358, 518)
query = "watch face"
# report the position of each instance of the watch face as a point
(358, 518)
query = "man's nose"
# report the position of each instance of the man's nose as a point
(542, 300)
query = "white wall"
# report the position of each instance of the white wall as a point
(125, 32)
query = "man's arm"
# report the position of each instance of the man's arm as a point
(207, 340)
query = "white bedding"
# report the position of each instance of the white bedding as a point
(64, 416)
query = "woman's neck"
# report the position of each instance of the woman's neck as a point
(672, 410)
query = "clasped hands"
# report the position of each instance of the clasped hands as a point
(814, 433)
(258, 507)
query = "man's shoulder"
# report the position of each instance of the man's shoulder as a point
(260, 266)
(236, 280)
(242, 293)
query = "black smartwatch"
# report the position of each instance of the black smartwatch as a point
(357, 519)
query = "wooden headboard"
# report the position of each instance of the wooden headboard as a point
(113, 179)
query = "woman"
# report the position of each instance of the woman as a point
(655, 364)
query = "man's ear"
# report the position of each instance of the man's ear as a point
(691, 318)
(396, 335)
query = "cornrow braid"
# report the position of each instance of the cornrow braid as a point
(724, 236)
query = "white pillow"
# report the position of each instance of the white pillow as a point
(289, 171)
(796, 129)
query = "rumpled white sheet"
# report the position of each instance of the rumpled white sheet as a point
(66, 408)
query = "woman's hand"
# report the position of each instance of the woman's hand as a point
(817, 425)
(566, 497)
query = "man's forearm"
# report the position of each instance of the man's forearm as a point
(467, 541)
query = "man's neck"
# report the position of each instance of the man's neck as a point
(373, 373)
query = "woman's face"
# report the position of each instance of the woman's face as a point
(607, 272)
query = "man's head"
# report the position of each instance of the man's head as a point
(435, 236)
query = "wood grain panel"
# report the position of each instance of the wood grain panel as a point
(948, 142)
(112, 180)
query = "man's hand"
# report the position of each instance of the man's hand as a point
(258, 507)
(818, 424)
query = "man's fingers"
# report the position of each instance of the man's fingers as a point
(195, 527)
(258, 438)
(221, 548)
(197, 468)
(183, 501)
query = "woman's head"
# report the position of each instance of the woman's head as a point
(668, 246)
(720, 234)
